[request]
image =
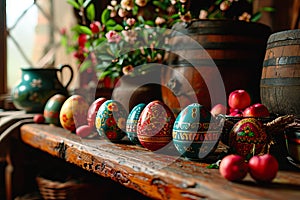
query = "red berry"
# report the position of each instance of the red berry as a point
(39, 118)
(82, 39)
(95, 27)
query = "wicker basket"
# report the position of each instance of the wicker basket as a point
(71, 189)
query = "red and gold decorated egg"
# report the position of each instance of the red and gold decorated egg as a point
(248, 135)
(73, 112)
(154, 128)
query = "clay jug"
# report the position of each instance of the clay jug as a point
(37, 86)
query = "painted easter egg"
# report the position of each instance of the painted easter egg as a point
(132, 121)
(195, 132)
(154, 128)
(111, 120)
(73, 112)
(52, 109)
(246, 136)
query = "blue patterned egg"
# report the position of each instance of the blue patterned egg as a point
(195, 132)
(111, 120)
(131, 123)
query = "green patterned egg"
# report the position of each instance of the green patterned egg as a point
(111, 120)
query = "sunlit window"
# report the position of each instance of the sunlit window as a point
(34, 35)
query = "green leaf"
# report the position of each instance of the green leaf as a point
(90, 12)
(85, 30)
(64, 41)
(256, 16)
(73, 3)
(268, 9)
(80, 2)
(150, 23)
(105, 16)
(160, 5)
(98, 41)
(117, 27)
(111, 22)
(218, 2)
(135, 10)
(85, 65)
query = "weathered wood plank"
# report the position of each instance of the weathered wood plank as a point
(155, 175)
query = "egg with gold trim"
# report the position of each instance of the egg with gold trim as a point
(132, 121)
(195, 132)
(154, 128)
(247, 137)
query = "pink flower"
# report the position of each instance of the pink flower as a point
(127, 69)
(63, 31)
(113, 36)
(127, 4)
(159, 20)
(130, 21)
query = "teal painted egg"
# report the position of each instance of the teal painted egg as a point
(131, 123)
(195, 132)
(52, 109)
(154, 129)
(111, 120)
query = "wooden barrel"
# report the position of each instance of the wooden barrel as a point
(280, 80)
(235, 48)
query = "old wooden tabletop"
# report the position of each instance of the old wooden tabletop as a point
(156, 175)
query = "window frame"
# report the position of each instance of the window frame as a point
(3, 48)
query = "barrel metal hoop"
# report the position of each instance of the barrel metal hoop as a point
(284, 60)
(280, 82)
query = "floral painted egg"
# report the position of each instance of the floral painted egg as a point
(131, 123)
(93, 109)
(195, 132)
(111, 120)
(52, 109)
(154, 128)
(247, 135)
(73, 112)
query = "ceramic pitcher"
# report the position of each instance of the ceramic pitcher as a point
(37, 86)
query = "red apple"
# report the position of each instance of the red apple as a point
(236, 112)
(218, 109)
(233, 167)
(256, 110)
(93, 109)
(239, 99)
(263, 168)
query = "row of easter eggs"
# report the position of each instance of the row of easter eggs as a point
(194, 132)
